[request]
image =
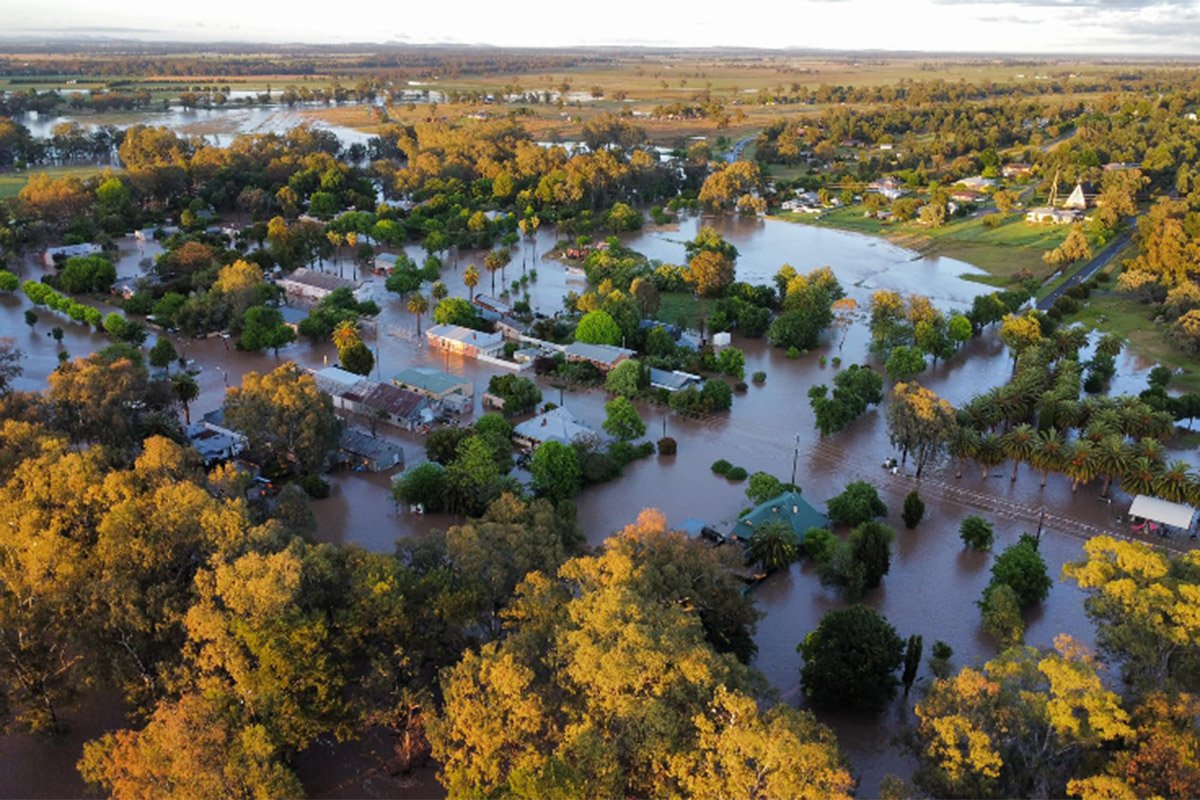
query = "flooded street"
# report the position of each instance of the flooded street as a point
(933, 584)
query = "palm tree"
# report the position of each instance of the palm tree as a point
(352, 243)
(495, 260)
(1152, 449)
(1050, 453)
(1141, 476)
(439, 291)
(336, 240)
(774, 545)
(1019, 444)
(964, 445)
(471, 278)
(183, 384)
(1080, 465)
(1113, 459)
(990, 453)
(418, 305)
(1174, 483)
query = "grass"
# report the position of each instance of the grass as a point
(676, 306)
(11, 183)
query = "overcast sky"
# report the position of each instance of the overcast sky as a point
(1135, 27)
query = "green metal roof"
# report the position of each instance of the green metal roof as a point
(788, 507)
(430, 380)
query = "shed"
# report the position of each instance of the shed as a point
(359, 450)
(1174, 515)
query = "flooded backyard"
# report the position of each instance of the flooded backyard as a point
(933, 584)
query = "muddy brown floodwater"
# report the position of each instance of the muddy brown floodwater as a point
(933, 583)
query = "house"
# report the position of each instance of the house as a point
(491, 308)
(1053, 216)
(602, 356)
(382, 401)
(789, 508)
(673, 381)
(977, 182)
(1016, 171)
(307, 284)
(214, 444)
(150, 234)
(465, 341)
(1077, 199)
(385, 263)
(557, 425)
(56, 255)
(433, 383)
(888, 187)
(1120, 166)
(361, 451)
(967, 196)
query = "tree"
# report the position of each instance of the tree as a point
(1001, 612)
(163, 353)
(763, 487)
(598, 327)
(10, 363)
(357, 358)
(1020, 333)
(1019, 444)
(858, 503)
(622, 420)
(914, 509)
(471, 278)
(423, 485)
(912, 661)
(8, 281)
(86, 274)
(195, 744)
(773, 545)
(264, 327)
(555, 470)
(709, 273)
(284, 416)
(185, 389)
(871, 548)
(1139, 626)
(519, 394)
(919, 422)
(457, 311)
(905, 362)
(850, 660)
(627, 379)
(494, 261)
(1021, 567)
(976, 533)
(417, 305)
(31, 318)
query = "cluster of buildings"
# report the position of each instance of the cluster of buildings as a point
(384, 402)
(312, 286)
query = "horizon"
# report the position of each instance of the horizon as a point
(1046, 28)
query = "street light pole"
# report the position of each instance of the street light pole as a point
(795, 458)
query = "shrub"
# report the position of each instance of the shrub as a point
(914, 510)
(667, 446)
(737, 474)
(977, 533)
(740, 387)
(818, 544)
(314, 485)
(837, 361)
(759, 376)
(822, 361)
(792, 352)
(721, 467)
(857, 504)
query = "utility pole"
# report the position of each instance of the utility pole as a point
(795, 458)
(1041, 521)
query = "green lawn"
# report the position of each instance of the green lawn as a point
(674, 307)
(11, 183)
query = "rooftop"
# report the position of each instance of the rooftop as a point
(469, 336)
(789, 508)
(430, 380)
(320, 280)
(603, 353)
(392, 399)
(362, 444)
(558, 425)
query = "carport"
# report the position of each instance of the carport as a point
(1162, 512)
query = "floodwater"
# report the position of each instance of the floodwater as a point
(933, 584)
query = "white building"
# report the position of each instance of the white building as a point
(466, 341)
(307, 284)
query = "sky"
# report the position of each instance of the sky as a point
(1127, 27)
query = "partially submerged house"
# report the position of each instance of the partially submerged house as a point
(673, 381)
(307, 284)
(789, 508)
(465, 341)
(602, 356)
(491, 308)
(433, 383)
(360, 451)
(557, 425)
(382, 401)
(56, 255)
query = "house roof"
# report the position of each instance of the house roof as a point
(430, 380)
(672, 381)
(558, 424)
(361, 444)
(469, 336)
(320, 280)
(392, 399)
(789, 508)
(338, 378)
(1177, 515)
(492, 303)
(602, 353)
(292, 315)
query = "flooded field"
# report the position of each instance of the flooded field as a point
(933, 584)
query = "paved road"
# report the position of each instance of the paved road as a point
(1088, 270)
(735, 152)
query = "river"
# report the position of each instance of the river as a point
(933, 584)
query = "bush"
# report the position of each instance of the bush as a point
(914, 510)
(624, 452)
(792, 352)
(857, 504)
(740, 387)
(667, 446)
(721, 467)
(836, 362)
(737, 474)
(818, 544)
(759, 376)
(316, 487)
(977, 533)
